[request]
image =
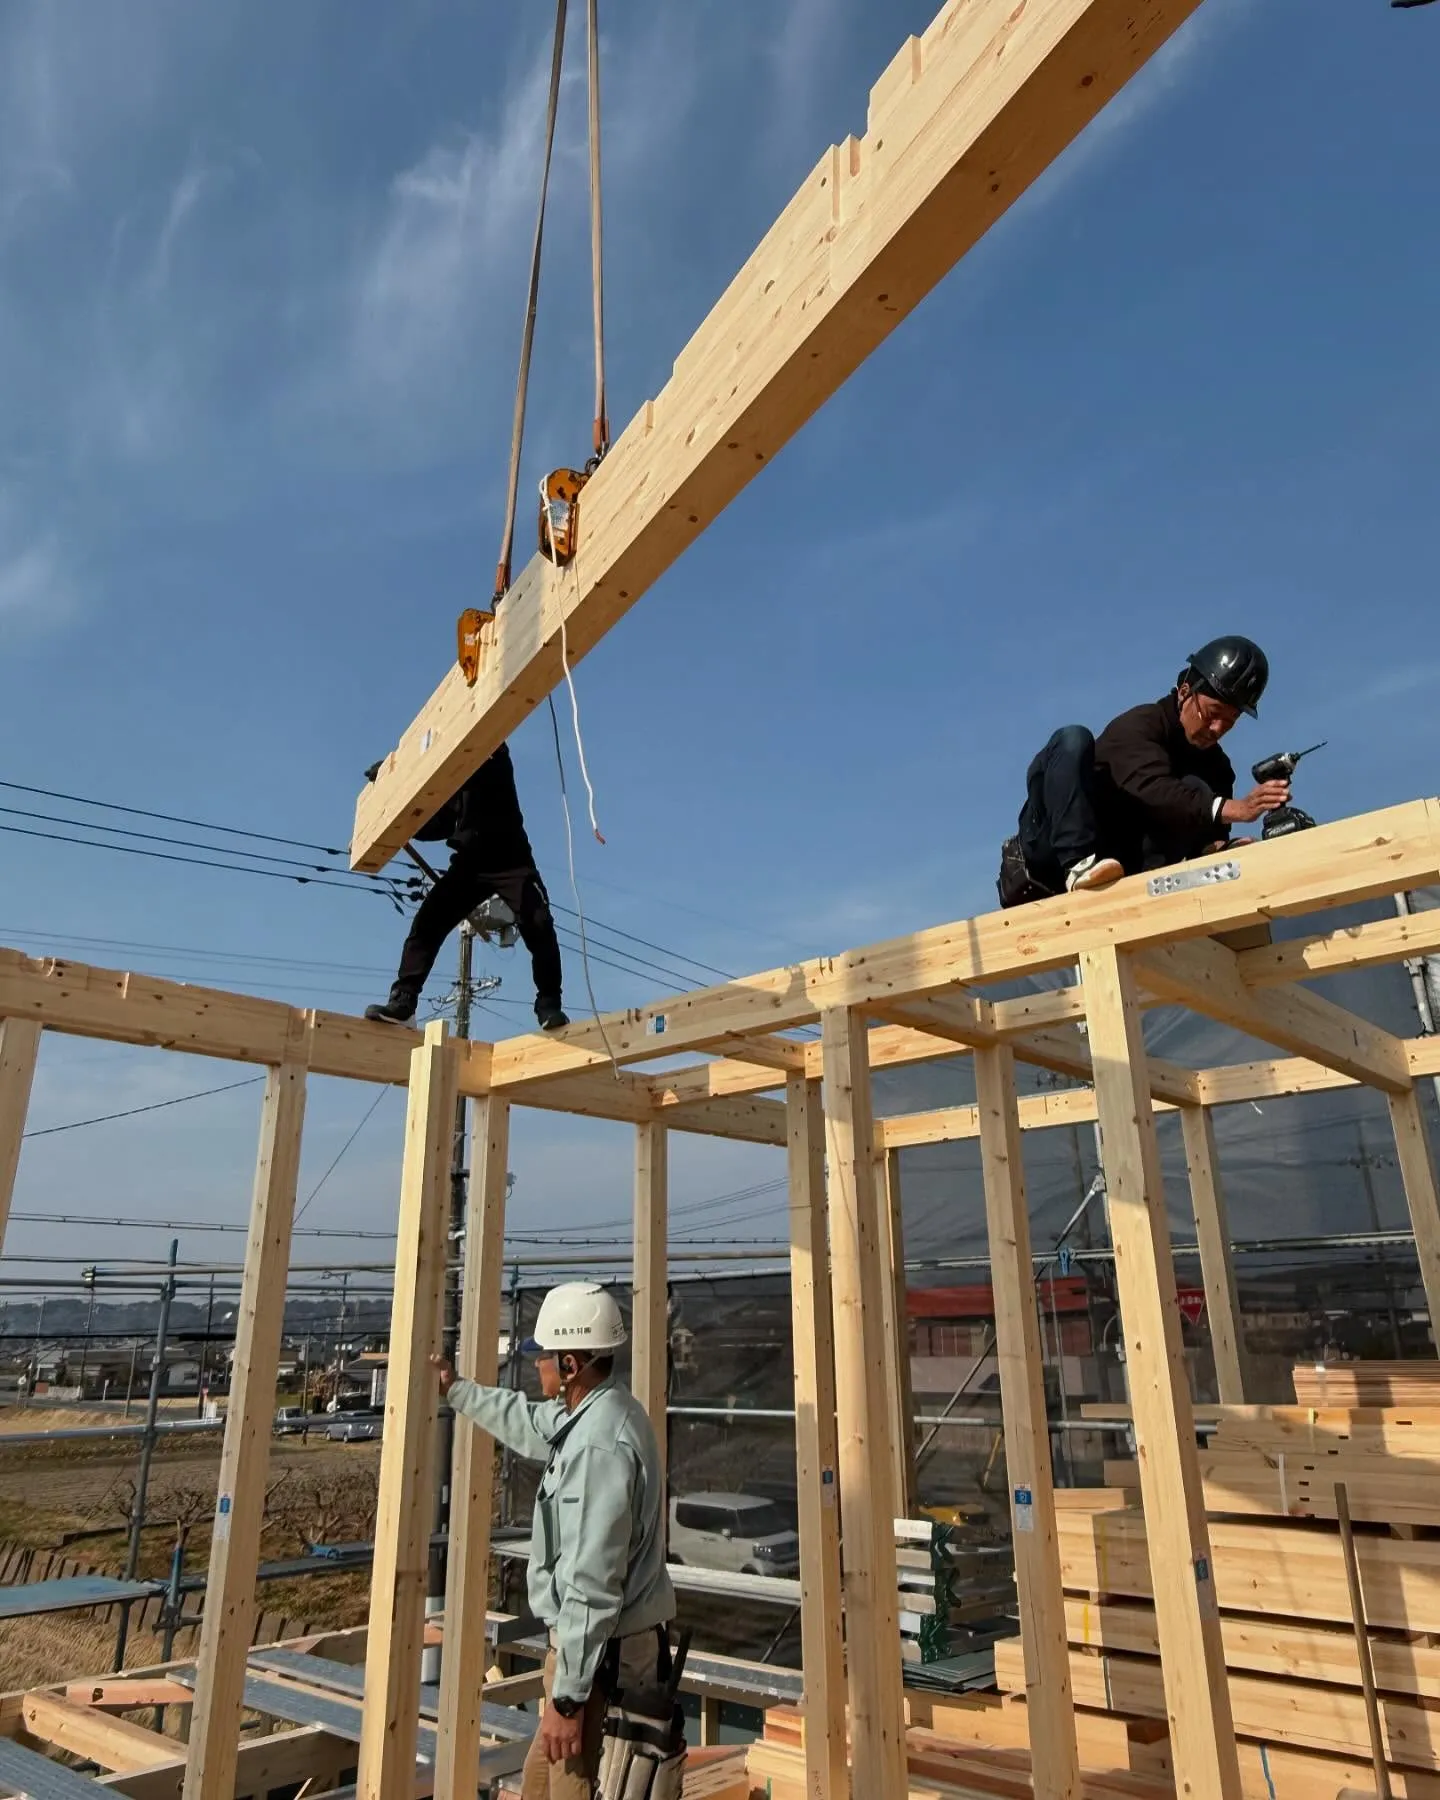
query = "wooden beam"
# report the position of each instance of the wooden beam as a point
(1354, 859)
(19, 1049)
(899, 1400)
(1353, 947)
(650, 1303)
(464, 1657)
(229, 1614)
(1206, 976)
(1197, 1698)
(872, 1628)
(118, 1745)
(822, 1655)
(1417, 1171)
(1217, 1265)
(286, 1759)
(403, 1514)
(959, 125)
(1055, 1758)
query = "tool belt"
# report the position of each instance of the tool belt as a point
(642, 1752)
(1016, 885)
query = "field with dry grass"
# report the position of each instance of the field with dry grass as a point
(76, 1496)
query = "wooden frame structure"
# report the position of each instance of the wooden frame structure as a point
(913, 999)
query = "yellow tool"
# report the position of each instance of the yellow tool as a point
(560, 513)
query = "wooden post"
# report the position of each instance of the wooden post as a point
(1197, 1695)
(867, 1501)
(467, 1585)
(1217, 1265)
(650, 1292)
(827, 1767)
(210, 1763)
(900, 1405)
(1051, 1713)
(19, 1048)
(1417, 1171)
(404, 1511)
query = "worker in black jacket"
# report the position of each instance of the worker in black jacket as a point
(490, 855)
(1154, 788)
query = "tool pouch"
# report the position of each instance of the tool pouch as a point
(642, 1754)
(1016, 885)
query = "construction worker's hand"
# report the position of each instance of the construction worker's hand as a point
(562, 1738)
(1256, 803)
(445, 1370)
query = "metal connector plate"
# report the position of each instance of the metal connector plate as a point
(1176, 881)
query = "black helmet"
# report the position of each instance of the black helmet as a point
(1233, 669)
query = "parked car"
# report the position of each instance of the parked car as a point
(290, 1421)
(362, 1426)
(739, 1532)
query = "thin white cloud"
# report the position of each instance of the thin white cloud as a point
(184, 199)
(37, 586)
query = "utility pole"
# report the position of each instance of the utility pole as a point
(130, 1385)
(200, 1382)
(35, 1358)
(1365, 1163)
(147, 1446)
(459, 1184)
(88, 1277)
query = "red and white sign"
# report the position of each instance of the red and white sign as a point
(1192, 1304)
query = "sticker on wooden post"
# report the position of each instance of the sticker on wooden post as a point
(223, 1510)
(1024, 1509)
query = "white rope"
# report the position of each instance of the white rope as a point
(565, 808)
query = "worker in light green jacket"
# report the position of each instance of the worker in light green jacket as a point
(597, 1547)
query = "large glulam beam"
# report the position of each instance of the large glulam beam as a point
(961, 123)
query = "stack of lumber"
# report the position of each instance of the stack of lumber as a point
(952, 1586)
(1270, 1475)
(1368, 1384)
(941, 1767)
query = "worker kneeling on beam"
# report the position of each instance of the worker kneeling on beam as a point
(597, 1573)
(490, 859)
(1153, 789)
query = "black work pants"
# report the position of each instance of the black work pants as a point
(1058, 826)
(456, 895)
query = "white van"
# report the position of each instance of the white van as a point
(738, 1532)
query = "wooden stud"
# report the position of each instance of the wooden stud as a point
(650, 1293)
(403, 1514)
(1417, 1171)
(867, 1501)
(1217, 1265)
(1054, 1754)
(900, 1404)
(472, 1484)
(1197, 1698)
(822, 1655)
(245, 1454)
(19, 1050)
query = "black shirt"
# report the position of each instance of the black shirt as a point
(483, 824)
(1155, 792)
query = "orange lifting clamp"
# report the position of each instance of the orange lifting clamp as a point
(560, 513)
(469, 637)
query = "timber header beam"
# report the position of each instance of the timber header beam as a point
(959, 125)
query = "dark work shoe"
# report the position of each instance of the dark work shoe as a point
(399, 1009)
(549, 1016)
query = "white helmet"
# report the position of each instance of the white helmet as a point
(579, 1315)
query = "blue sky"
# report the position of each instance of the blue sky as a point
(261, 275)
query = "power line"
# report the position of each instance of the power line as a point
(141, 812)
(131, 1112)
(386, 892)
(339, 1153)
